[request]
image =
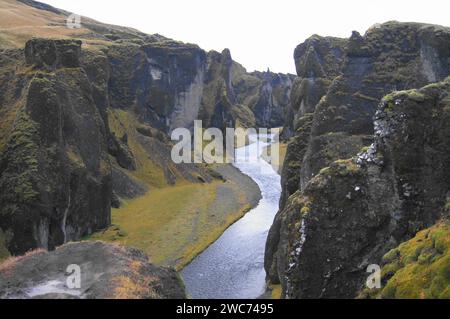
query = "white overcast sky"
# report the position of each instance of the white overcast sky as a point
(261, 34)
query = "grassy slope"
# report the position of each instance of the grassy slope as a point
(172, 224)
(19, 22)
(151, 173)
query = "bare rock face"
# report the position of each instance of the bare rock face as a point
(307, 90)
(341, 211)
(266, 94)
(106, 271)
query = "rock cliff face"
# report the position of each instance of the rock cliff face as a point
(171, 84)
(267, 94)
(55, 180)
(85, 122)
(361, 176)
(60, 158)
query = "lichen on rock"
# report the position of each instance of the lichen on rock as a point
(393, 180)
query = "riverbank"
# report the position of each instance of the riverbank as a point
(233, 266)
(174, 224)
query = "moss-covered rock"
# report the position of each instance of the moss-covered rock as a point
(267, 94)
(51, 54)
(359, 209)
(419, 268)
(55, 161)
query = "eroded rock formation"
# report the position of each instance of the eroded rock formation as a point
(341, 211)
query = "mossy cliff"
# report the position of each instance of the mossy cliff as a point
(85, 118)
(360, 176)
(266, 94)
(71, 145)
(55, 172)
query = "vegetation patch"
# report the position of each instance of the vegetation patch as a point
(134, 285)
(173, 224)
(121, 123)
(22, 151)
(418, 268)
(275, 291)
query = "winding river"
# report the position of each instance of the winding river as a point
(233, 266)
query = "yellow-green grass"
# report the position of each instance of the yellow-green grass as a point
(173, 224)
(418, 268)
(122, 122)
(275, 291)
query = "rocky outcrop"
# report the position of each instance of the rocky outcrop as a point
(55, 180)
(161, 81)
(171, 84)
(266, 94)
(58, 150)
(354, 211)
(51, 54)
(121, 151)
(105, 271)
(337, 216)
(318, 61)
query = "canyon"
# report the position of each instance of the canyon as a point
(367, 167)
(86, 116)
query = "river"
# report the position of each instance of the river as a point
(233, 266)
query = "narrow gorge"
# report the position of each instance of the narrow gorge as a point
(367, 167)
(87, 175)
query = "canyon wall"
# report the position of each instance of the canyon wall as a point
(362, 173)
(86, 119)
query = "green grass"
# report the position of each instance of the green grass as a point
(418, 268)
(172, 224)
(122, 122)
(275, 291)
